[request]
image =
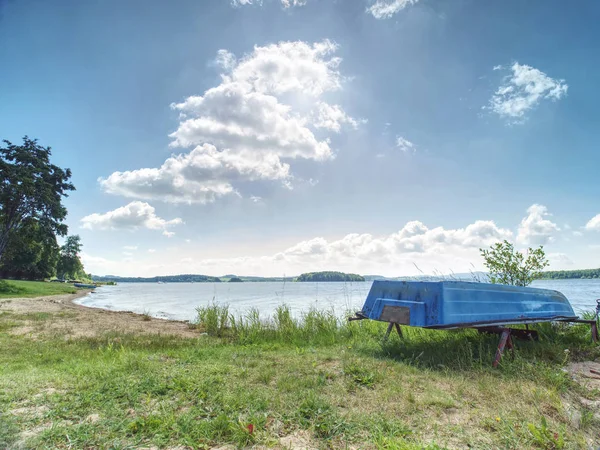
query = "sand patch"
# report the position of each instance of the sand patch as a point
(70, 320)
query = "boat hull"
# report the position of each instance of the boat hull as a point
(456, 304)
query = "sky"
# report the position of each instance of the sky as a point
(275, 137)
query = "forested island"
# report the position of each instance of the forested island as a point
(568, 274)
(329, 276)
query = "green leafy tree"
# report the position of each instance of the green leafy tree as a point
(69, 264)
(32, 253)
(31, 188)
(510, 266)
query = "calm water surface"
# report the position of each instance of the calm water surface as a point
(180, 300)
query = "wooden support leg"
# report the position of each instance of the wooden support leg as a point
(595, 331)
(399, 330)
(389, 330)
(504, 338)
(510, 345)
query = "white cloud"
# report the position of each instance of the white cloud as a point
(241, 131)
(245, 2)
(332, 117)
(225, 59)
(230, 117)
(201, 176)
(290, 67)
(130, 247)
(577, 233)
(405, 145)
(151, 250)
(133, 216)
(524, 90)
(535, 228)
(88, 259)
(559, 261)
(593, 224)
(288, 3)
(384, 9)
(168, 234)
(432, 249)
(284, 3)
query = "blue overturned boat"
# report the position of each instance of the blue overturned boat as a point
(489, 308)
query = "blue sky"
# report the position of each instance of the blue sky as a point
(274, 137)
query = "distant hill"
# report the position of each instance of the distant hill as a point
(187, 278)
(329, 276)
(164, 279)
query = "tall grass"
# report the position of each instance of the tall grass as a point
(464, 349)
(313, 327)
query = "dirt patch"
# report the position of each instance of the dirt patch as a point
(586, 373)
(73, 321)
(47, 391)
(92, 418)
(31, 433)
(300, 440)
(30, 411)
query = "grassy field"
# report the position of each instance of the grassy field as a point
(14, 288)
(315, 383)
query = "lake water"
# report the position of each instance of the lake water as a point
(180, 300)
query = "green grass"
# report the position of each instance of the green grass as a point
(14, 288)
(331, 381)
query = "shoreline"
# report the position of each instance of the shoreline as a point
(72, 320)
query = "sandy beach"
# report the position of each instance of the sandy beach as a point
(72, 320)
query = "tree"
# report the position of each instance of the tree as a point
(31, 188)
(510, 266)
(69, 264)
(32, 253)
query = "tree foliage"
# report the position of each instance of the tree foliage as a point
(31, 189)
(509, 266)
(568, 274)
(69, 264)
(32, 253)
(329, 276)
